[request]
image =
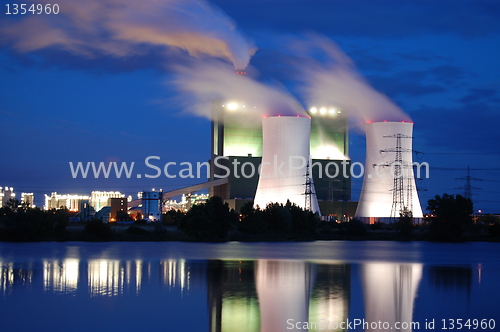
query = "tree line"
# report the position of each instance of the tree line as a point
(451, 219)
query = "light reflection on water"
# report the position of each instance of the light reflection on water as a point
(389, 291)
(245, 295)
(61, 276)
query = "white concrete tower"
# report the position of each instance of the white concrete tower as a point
(386, 142)
(285, 154)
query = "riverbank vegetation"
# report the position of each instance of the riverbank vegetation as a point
(451, 220)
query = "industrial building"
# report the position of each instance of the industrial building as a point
(238, 138)
(71, 202)
(100, 199)
(97, 200)
(119, 208)
(240, 144)
(28, 199)
(6, 193)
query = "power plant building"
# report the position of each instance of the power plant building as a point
(237, 140)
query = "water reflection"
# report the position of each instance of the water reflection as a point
(452, 286)
(232, 297)
(15, 275)
(331, 295)
(261, 295)
(61, 276)
(283, 288)
(389, 291)
(100, 277)
(265, 294)
(452, 277)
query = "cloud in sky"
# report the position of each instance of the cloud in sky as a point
(121, 28)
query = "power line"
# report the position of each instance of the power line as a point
(456, 153)
(461, 169)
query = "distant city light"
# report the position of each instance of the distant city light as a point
(322, 110)
(314, 110)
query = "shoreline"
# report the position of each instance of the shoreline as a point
(170, 233)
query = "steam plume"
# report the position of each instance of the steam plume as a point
(200, 83)
(335, 81)
(118, 28)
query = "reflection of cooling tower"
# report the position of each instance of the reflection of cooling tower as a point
(283, 288)
(285, 153)
(389, 291)
(331, 295)
(376, 200)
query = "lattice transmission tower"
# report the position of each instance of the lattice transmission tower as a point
(468, 187)
(402, 199)
(308, 192)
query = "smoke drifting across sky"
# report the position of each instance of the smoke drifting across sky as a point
(325, 76)
(334, 80)
(118, 28)
(202, 82)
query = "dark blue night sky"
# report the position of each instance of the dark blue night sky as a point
(92, 85)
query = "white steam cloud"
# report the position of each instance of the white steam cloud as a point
(203, 82)
(118, 28)
(335, 81)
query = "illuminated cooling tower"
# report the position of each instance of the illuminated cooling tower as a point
(378, 193)
(285, 153)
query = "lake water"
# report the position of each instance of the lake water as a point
(324, 286)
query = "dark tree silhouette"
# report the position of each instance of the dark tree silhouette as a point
(451, 215)
(210, 221)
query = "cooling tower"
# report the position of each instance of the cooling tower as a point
(386, 143)
(285, 153)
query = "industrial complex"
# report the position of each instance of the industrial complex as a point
(267, 157)
(320, 137)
